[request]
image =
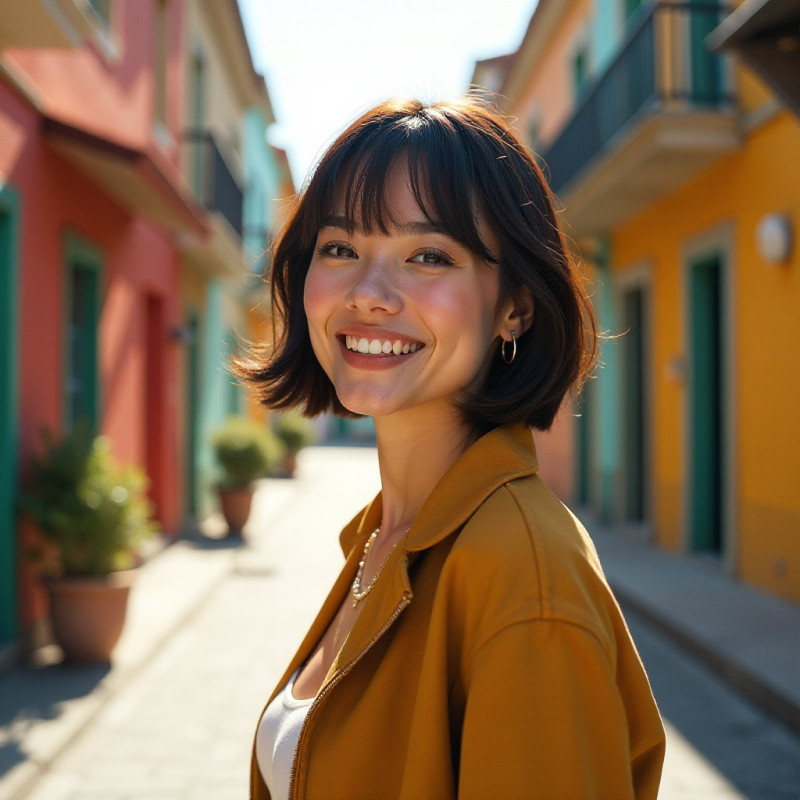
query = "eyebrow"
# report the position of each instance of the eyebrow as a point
(414, 228)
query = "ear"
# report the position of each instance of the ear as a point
(517, 315)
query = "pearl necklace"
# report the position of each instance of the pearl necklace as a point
(355, 589)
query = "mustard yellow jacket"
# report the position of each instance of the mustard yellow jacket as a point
(490, 661)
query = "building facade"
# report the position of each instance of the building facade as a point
(674, 167)
(90, 162)
(123, 272)
(240, 179)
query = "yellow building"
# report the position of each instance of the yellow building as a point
(679, 173)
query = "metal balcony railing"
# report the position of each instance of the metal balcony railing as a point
(213, 181)
(662, 63)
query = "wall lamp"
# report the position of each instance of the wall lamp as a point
(774, 238)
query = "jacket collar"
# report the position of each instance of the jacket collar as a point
(500, 456)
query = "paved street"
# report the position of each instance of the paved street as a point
(719, 746)
(179, 727)
(182, 726)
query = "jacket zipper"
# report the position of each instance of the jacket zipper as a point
(405, 600)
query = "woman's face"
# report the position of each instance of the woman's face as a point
(404, 321)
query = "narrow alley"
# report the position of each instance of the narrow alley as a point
(174, 718)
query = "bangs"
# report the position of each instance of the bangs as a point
(438, 168)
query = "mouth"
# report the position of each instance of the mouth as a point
(380, 347)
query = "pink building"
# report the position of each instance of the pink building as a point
(92, 211)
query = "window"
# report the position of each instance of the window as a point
(198, 88)
(81, 386)
(580, 66)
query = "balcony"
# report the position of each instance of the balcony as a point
(659, 114)
(211, 175)
(213, 180)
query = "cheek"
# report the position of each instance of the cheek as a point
(477, 307)
(316, 297)
(311, 292)
(316, 303)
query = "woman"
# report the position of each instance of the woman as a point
(471, 646)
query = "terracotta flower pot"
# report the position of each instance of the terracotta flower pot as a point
(88, 614)
(236, 505)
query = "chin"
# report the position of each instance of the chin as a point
(367, 404)
(357, 403)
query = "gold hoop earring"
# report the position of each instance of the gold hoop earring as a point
(513, 349)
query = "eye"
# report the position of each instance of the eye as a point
(432, 257)
(337, 250)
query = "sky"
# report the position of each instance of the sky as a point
(326, 61)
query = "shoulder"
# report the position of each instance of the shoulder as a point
(524, 557)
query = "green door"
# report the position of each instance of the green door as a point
(707, 406)
(82, 377)
(8, 413)
(633, 408)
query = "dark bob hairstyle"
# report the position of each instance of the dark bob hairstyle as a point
(463, 163)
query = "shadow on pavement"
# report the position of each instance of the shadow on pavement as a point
(754, 753)
(36, 694)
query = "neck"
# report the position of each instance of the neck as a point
(413, 454)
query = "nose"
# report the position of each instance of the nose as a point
(373, 289)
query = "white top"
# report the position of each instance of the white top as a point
(276, 739)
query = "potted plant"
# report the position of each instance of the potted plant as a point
(245, 450)
(92, 514)
(295, 433)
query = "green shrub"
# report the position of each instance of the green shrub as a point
(293, 430)
(94, 511)
(245, 450)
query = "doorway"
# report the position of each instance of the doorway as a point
(8, 413)
(82, 385)
(634, 426)
(706, 405)
(154, 399)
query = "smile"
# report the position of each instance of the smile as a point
(377, 347)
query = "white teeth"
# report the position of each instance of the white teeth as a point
(379, 346)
